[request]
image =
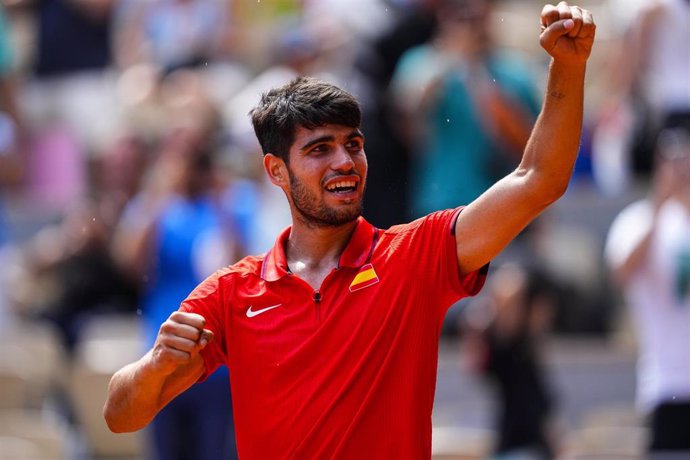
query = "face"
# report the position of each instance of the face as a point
(326, 175)
(465, 25)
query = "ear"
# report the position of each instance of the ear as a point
(276, 169)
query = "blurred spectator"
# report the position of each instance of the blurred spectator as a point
(12, 124)
(69, 97)
(469, 108)
(12, 153)
(178, 34)
(172, 34)
(388, 154)
(505, 344)
(117, 172)
(649, 90)
(648, 250)
(71, 56)
(73, 36)
(173, 234)
(71, 263)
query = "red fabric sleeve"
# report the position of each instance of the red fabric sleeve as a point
(433, 252)
(206, 300)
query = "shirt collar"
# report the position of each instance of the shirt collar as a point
(356, 253)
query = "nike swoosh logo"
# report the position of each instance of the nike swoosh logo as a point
(252, 313)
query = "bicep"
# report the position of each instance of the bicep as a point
(488, 224)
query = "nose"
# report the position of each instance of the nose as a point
(342, 160)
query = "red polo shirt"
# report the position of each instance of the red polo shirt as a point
(345, 371)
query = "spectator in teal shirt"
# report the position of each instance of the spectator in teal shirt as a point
(470, 108)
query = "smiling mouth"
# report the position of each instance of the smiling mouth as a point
(342, 186)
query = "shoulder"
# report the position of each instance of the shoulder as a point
(675, 214)
(415, 53)
(249, 265)
(430, 224)
(417, 62)
(627, 229)
(238, 272)
(633, 214)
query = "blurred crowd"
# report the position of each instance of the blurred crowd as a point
(129, 170)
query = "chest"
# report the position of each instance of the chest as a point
(290, 323)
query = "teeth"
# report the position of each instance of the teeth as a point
(342, 184)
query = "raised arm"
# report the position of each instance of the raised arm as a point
(138, 391)
(488, 224)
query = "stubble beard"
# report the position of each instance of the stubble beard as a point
(314, 213)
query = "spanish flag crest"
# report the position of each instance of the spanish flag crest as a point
(364, 278)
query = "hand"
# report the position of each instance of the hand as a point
(179, 340)
(567, 33)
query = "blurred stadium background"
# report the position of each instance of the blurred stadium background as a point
(90, 92)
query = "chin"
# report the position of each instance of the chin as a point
(337, 217)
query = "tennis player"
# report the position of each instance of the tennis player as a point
(332, 336)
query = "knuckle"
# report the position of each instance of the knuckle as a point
(549, 10)
(165, 328)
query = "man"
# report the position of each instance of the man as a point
(332, 337)
(648, 251)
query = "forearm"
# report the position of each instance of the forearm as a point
(553, 145)
(134, 396)
(138, 391)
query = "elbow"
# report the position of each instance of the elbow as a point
(111, 420)
(553, 192)
(119, 422)
(545, 189)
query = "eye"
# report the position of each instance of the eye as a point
(319, 148)
(354, 144)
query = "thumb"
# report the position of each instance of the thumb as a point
(554, 31)
(206, 338)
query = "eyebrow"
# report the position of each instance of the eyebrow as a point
(329, 138)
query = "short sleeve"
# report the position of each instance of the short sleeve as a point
(207, 300)
(431, 257)
(464, 285)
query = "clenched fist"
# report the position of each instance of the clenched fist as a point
(179, 340)
(567, 33)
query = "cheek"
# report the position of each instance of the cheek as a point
(304, 181)
(362, 164)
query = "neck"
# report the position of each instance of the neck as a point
(314, 247)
